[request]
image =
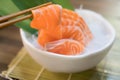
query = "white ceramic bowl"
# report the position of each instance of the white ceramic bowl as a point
(67, 64)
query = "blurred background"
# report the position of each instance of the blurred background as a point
(10, 41)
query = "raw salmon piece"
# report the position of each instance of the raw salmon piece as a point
(44, 37)
(47, 18)
(73, 26)
(61, 30)
(65, 47)
(71, 32)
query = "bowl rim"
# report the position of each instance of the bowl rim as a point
(22, 33)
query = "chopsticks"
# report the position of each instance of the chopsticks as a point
(10, 17)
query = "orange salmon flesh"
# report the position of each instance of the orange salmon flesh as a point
(60, 30)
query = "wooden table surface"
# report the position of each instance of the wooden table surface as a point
(10, 41)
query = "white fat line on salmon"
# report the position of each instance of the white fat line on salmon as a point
(55, 12)
(44, 18)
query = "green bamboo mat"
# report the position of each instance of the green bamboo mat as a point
(23, 67)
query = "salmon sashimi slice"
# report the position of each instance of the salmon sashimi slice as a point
(44, 37)
(71, 32)
(61, 30)
(71, 19)
(47, 18)
(65, 47)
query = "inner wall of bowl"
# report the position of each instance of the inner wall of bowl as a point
(97, 25)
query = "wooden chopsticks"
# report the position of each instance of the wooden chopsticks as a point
(11, 16)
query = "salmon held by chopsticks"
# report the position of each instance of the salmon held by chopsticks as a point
(61, 31)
